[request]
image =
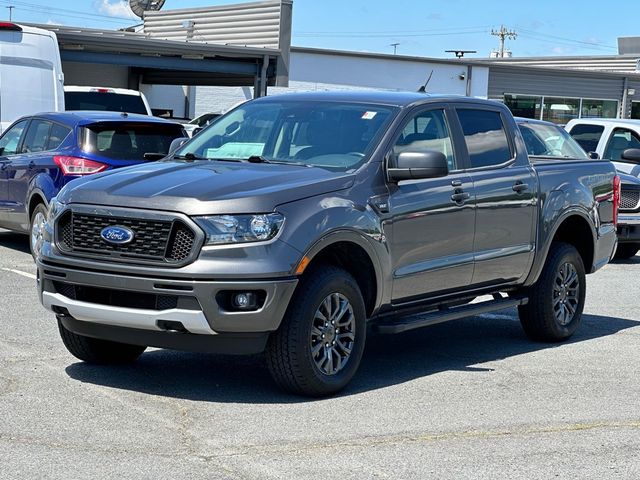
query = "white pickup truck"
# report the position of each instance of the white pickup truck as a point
(617, 140)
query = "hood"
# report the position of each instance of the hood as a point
(204, 187)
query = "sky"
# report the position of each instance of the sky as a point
(419, 27)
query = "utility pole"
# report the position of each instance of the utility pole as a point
(395, 47)
(503, 34)
(10, 7)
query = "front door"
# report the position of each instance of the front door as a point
(432, 220)
(506, 198)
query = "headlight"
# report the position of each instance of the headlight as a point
(223, 229)
(54, 208)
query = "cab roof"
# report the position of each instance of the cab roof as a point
(81, 117)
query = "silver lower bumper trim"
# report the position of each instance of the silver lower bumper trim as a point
(193, 320)
(628, 219)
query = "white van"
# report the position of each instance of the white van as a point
(31, 79)
(106, 98)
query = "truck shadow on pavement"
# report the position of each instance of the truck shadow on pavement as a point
(14, 241)
(388, 360)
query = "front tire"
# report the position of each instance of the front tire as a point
(101, 352)
(626, 251)
(319, 345)
(556, 300)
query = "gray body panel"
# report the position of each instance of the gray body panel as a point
(423, 246)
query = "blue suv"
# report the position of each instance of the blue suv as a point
(42, 153)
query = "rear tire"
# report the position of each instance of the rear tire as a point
(36, 227)
(319, 345)
(101, 352)
(626, 251)
(556, 300)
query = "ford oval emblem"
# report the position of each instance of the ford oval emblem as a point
(117, 235)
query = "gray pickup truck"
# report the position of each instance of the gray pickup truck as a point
(292, 224)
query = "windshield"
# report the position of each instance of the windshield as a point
(104, 101)
(128, 141)
(331, 135)
(544, 140)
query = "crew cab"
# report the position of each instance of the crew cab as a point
(39, 154)
(294, 221)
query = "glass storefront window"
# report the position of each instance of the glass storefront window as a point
(635, 110)
(560, 110)
(524, 105)
(599, 108)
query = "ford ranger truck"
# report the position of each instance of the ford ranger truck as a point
(292, 225)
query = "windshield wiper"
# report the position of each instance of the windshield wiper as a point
(261, 159)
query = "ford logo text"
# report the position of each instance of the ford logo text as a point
(117, 235)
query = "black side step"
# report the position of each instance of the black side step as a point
(448, 313)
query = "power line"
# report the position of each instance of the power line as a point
(377, 35)
(42, 9)
(533, 34)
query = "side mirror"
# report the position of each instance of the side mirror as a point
(176, 144)
(594, 155)
(416, 165)
(631, 155)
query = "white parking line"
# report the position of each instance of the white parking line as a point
(20, 272)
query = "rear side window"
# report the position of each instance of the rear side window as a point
(587, 136)
(57, 135)
(104, 101)
(485, 136)
(621, 139)
(128, 141)
(37, 137)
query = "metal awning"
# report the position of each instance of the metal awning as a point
(169, 62)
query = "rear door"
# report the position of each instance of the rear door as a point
(9, 145)
(23, 166)
(433, 219)
(505, 196)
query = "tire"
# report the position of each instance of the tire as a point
(101, 352)
(626, 251)
(546, 318)
(298, 358)
(38, 216)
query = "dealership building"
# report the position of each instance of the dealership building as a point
(194, 61)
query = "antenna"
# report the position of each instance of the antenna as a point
(423, 88)
(395, 47)
(460, 53)
(140, 6)
(502, 34)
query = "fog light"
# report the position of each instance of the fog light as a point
(245, 301)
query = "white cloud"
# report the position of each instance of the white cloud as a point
(119, 8)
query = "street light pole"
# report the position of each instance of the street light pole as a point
(10, 7)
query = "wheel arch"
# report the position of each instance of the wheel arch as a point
(353, 253)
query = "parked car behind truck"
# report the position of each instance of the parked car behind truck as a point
(292, 222)
(40, 154)
(617, 140)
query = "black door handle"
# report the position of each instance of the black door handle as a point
(460, 197)
(520, 186)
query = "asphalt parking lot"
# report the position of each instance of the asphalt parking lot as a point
(468, 399)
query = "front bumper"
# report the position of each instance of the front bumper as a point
(160, 304)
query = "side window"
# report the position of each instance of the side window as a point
(485, 136)
(427, 131)
(11, 139)
(37, 137)
(587, 136)
(619, 142)
(57, 136)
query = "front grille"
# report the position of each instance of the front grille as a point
(629, 199)
(155, 241)
(116, 298)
